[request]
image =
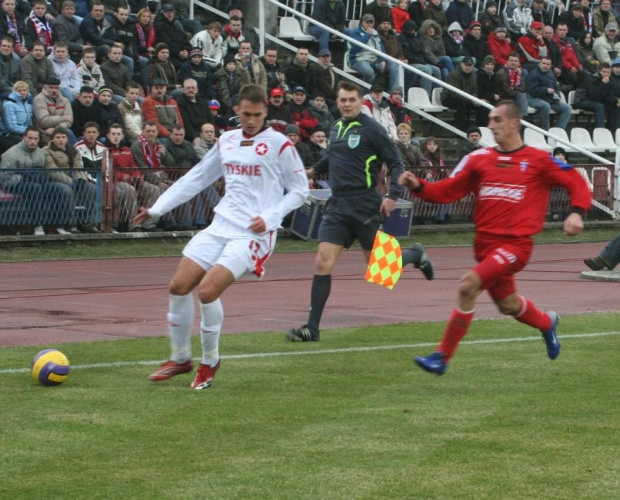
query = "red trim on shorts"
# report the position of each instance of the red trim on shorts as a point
(258, 268)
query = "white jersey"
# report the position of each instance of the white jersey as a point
(258, 171)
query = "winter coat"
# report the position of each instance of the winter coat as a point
(332, 17)
(411, 155)
(183, 155)
(126, 34)
(400, 17)
(256, 70)
(500, 49)
(489, 22)
(467, 82)
(273, 70)
(164, 112)
(211, 49)
(392, 45)
(538, 82)
(598, 91)
(323, 79)
(412, 50)
(296, 74)
(48, 113)
(381, 113)
(437, 14)
(194, 115)
(575, 25)
(116, 76)
(66, 71)
(17, 113)
(486, 86)
(19, 156)
(202, 73)
(569, 57)
(455, 50)
(476, 48)
(133, 117)
(601, 48)
(278, 117)
(433, 47)
(531, 49)
(517, 18)
(602, 19)
(58, 159)
(380, 13)
(502, 84)
(35, 71)
(172, 34)
(84, 114)
(110, 115)
(97, 32)
(459, 11)
(9, 72)
(164, 70)
(229, 84)
(68, 30)
(91, 77)
(370, 38)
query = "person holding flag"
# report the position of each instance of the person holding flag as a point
(358, 147)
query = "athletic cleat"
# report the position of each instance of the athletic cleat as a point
(550, 337)
(303, 334)
(433, 363)
(204, 376)
(169, 369)
(424, 264)
(596, 264)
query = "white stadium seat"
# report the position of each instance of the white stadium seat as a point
(418, 97)
(535, 139)
(602, 138)
(487, 137)
(561, 133)
(290, 28)
(581, 137)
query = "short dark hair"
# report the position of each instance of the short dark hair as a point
(60, 44)
(178, 126)
(514, 54)
(514, 111)
(604, 66)
(36, 42)
(351, 87)
(91, 125)
(89, 50)
(116, 125)
(150, 123)
(235, 18)
(59, 131)
(31, 129)
(132, 85)
(253, 93)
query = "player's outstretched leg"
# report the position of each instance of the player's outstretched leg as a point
(546, 322)
(210, 328)
(417, 256)
(550, 336)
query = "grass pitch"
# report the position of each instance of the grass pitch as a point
(349, 417)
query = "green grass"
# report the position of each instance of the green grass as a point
(504, 422)
(102, 249)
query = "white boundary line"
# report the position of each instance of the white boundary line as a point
(324, 351)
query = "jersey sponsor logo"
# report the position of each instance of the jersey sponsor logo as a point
(237, 169)
(509, 256)
(261, 149)
(245, 144)
(354, 140)
(506, 192)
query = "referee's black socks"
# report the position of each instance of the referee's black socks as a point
(321, 287)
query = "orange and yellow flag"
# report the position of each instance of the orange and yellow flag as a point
(386, 264)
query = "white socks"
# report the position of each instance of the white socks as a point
(180, 322)
(210, 328)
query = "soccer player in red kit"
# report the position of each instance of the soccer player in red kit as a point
(511, 183)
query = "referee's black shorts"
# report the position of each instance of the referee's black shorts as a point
(343, 230)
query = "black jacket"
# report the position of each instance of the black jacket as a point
(194, 115)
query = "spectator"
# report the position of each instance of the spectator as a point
(66, 28)
(416, 11)
(575, 21)
(126, 37)
(211, 43)
(412, 155)
(540, 12)
(132, 114)
(487, 90)
(245, 59)
(518, 18)
(489, 19)
(553, 50)
(66, 70)
(323, 78)
(26, 155)
(275, 72)
(9, 67)
(389, 38)
(318, 106)
(368, 63)
(160, 67)
(12, 25)
(297, 73)
(475, 45)
(198, 69)
(145, 34)
(84, 110)
(510, 83)
(38, 26)
(400, 15)
(278, 115)
(459, 11)
(606, 48)
(17, 111)
(73, 185)
(571, 71)
(588, 19)
(293, 133)
(109, 111)
(35, 68)
(597, 95)
(317, 144)
(52, 110)
(380, 10)
(161, 109)
(96, 30)
(433, 157)
(399, 112)
(90, 71)
(89, 148)
(247, 29)
(543, 94)
(434, 49)
(414, 53)
(301, 112)
(169, 30)
(194, 110)
(116, 74)
(533, 47)
(499, 45)
(206, 141)
(377, 107)
(220, 121)
(435, 12)
(453, 42)
(463, 78)
(473, 142)
(229, 79)
(331, 13)
(603, 15)
(584, 48)
(232, 36)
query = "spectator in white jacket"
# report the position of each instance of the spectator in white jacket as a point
(211, 43)
(378, 108)
(90, 71)
(66, 71)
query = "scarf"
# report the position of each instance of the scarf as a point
(230, 33)
(458, 39)
(514, 77)
(12, 24)
(150, 155)
(435, 159)
(147, 40)
(43, 30)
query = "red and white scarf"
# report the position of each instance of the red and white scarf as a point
(514, 77)
(12, 24)
(43, 30)
(151, 155)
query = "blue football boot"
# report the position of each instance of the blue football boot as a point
(433, 363)
(550, 337)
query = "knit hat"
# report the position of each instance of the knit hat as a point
(161, 46)
(214, 104)
(298, 88)
(195, 52)
(616, 62)
(397, 89)
(474, 24)
(291, 129)
(158, 82)
(229, 58)
(166, 7)
(105, 89)
(488, 59)
(377, 88)
(490, 3)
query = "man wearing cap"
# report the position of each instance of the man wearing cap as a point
(301, 112)
(278, 115)
(543, 94)
(96, 30)
(171, 32)
(500, 45)
(574, 19)
(517, 18)
(475, 45)
(464, 78)
(322, 77)
(246, 59)
(533, 47)
(377, 107)
(198, 69)
(52, 110)
(161, 109)
(331, 13)
(606, 48)
(194, 110)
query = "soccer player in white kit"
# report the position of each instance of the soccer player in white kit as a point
(265, 180)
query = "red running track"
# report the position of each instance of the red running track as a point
(68, 301)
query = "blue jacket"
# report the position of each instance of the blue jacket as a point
(17, 114)
(89, 29)
(461, 13)
(335, 18)
(362, 36)
(537, 83)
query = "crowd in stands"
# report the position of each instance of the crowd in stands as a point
(142, 83)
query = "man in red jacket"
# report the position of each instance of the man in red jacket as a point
(512, 184)
(161, 109)
(572, 69)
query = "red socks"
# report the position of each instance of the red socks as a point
(455, 330)
(532, 316)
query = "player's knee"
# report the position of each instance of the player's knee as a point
(179, 288)
(509, 306)
(207, 294)
(468, 287)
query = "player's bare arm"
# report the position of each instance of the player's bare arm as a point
(573, 224)
(143, 215)
(409, 180)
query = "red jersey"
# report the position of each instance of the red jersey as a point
(511, 188)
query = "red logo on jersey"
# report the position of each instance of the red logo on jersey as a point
(261, 149)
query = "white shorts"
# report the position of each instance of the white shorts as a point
(241, 253)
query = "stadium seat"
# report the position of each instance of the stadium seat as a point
(436, 98)
(602, 138)
(581, 137)
(535, 139)
(345, 64)
(561, 133)
(618, 137)
(417, 96)
(487, 137)
(290, 28)
(564, 100)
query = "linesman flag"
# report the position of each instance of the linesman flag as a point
(386, 264)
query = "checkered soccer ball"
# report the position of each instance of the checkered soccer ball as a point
(50, 367)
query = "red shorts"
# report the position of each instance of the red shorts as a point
(498, 261)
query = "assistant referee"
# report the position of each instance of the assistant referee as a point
(358, 147)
